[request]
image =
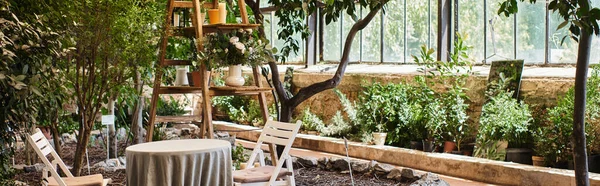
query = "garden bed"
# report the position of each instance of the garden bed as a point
(478, 169)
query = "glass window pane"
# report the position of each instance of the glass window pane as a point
(434, 25)
(348, 22)
(371, 45)
(267, 27)
(393, 33)
(595, 55)
(565, 52)
(332, 41)
(279, 43)
(531, 32)
(417, 27)
(471, 25)
(500, 35)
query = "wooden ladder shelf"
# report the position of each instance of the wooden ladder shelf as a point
(197, 31)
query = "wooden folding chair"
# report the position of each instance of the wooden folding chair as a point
(42, 147)
(276, 133)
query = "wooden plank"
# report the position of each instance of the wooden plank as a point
(210, 28)
(282, 125)
(37, 136)
(183, 4)
(46, 151)
(278, 133)
(262, 100)
(243, 11)
(275, 140)
(41, 143)
(178, 119)
(207, 106)
(179, 90)
(173, 62)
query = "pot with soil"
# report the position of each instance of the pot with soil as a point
(417, 145)
(194, 79)
(379, 138)
(519, 155)
(449, 146)
(428, 146)
(538, 161)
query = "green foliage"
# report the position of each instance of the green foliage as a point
(489, 149)
(29, 50)
(311, 122)
(503, 117)
(291, 16)
(577, 15)
(238, 156)
(234, 48)
(169, 108)
(449, 117)
(558, 134)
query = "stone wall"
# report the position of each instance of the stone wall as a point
(537, 92)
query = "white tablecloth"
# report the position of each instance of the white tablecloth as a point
(180, 162)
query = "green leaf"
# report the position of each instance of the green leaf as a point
(563, 24)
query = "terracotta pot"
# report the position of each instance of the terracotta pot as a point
(379, 138)
(537, 161)
(449, 146)
(428, 146)
(195, 79)
(213, 16)
(417, 145)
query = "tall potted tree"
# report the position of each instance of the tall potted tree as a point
(504, 118)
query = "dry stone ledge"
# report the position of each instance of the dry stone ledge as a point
(382, 168)
(362, 166)
(338, 164)
(395, 174)
(308, 161)
(430, 179)
(323, 162)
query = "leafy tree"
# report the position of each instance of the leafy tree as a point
(112, 39)
(582, 22)
(28, 48)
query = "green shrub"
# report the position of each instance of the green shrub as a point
(558, 133)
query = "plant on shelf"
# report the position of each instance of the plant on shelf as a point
(503, 118)
(233, 49)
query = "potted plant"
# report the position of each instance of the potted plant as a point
(233, 49)
(311, 123)
(380, 135)
(456, 127)
(503, 118)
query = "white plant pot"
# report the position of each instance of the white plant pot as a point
(235, 78)
(379, 138)
(181, 77)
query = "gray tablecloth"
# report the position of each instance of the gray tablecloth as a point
(180, 162)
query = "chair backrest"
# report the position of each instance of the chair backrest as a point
(42, 148)
(277, 133)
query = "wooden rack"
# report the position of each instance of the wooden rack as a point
(205, 119)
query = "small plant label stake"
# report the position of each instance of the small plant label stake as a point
(107, 120)
(348, 158)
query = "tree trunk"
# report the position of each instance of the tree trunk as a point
(82, 140)
(136, 124)
(56, 137)
(579, 150)
(112, 147)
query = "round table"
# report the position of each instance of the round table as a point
(180, 162)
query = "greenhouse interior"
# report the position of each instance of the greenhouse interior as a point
(299, 92)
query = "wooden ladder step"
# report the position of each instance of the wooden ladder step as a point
(178, 119)
(174, 62)
(190, 4)
(215, 91)
(210, 28)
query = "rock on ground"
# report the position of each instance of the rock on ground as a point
(430, 179)
(308, 161)
(382, 168)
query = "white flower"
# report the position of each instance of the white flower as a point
(240, 46)
(214, 51)
(250, 49)
(259, 42)
(226, 50)
(234, 39)
(241, 30)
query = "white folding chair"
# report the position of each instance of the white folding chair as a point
(276, 133)
(42, 147)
